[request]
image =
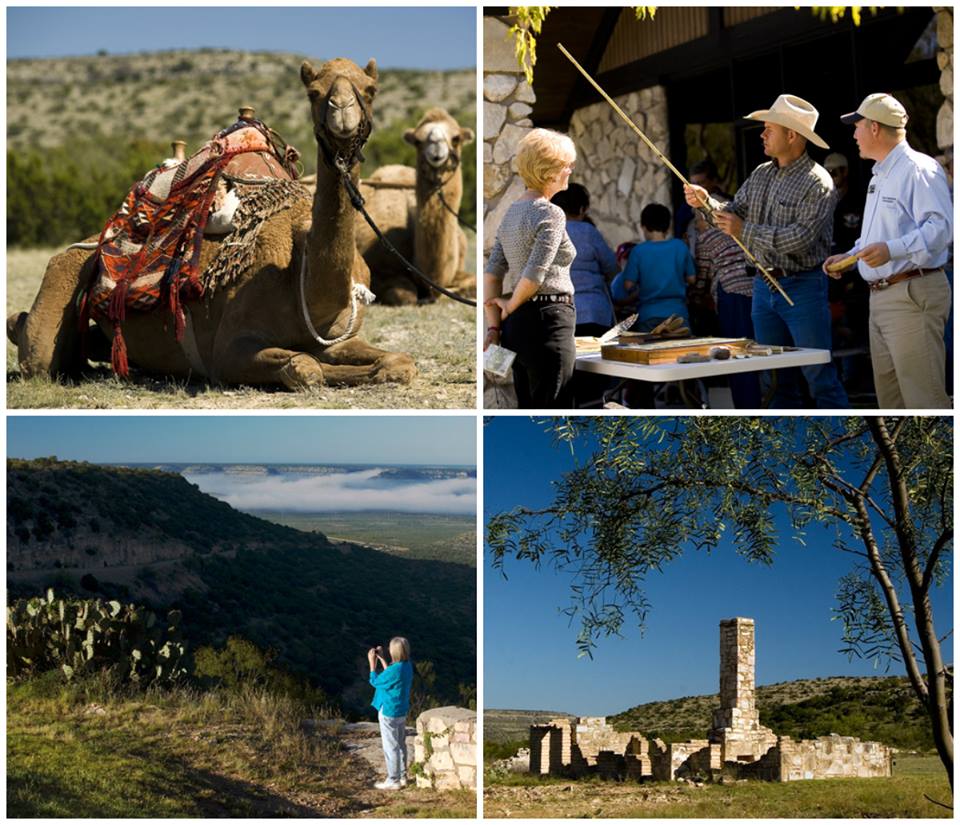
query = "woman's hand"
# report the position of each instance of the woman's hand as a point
(372, 658)
(503, 304)
(492, 337)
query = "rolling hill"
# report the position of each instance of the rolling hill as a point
(876, 708)
(152, 537)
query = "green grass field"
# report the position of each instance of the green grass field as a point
(412, 535)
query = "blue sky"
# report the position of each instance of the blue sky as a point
(530, 652)
(254, 439)
(416, 38)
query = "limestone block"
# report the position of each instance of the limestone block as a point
(495, 179)
(506, 146)
(447, 782)
(419, 752)
(945, 29)
(519, 111)
(524, 92)
(441, 761)
(494, 114)
(944, 59)
(525, 122)
(423, 781)
(435, 724)
(625, 181)
(945, 125)
(498, 54)
(487, 152)
(946, 82)
(468, 776)
(498, 87)
(461, 736)
(464, 753)
(440, 742)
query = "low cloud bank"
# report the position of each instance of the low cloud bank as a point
(340, 492)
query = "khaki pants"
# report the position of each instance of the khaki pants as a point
(906, 343)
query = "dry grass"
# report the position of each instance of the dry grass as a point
(441, 337)
(91, 750)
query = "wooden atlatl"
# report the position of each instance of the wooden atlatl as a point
(667, 352)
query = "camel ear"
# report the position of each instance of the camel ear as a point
(410, 136)
(307, 73)
(371, 69)
(466, 135)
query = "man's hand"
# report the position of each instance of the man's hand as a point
(729, 223)
(695, 196)
(833, 259)
(875, 254)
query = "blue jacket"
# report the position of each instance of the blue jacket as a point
(392, 695)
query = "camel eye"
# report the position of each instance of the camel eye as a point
(456, 140)
(313, 94)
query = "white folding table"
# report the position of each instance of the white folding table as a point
(659, 373)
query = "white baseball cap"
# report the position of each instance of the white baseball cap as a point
(882, 108)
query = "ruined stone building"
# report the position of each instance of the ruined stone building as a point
(736, 745)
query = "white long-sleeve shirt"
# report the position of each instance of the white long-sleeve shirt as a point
(908, 208)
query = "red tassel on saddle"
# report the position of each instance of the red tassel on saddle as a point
(118, 353)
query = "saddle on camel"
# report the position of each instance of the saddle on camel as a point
(148, 253)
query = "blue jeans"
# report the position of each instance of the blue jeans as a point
(733, 311)
(806, 324)
(393, 736)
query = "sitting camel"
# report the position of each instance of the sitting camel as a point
(291, 317)
(425, 231)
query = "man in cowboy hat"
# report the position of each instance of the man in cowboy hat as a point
(901, 252)
(783, 213)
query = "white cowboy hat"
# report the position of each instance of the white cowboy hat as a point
(794, 113)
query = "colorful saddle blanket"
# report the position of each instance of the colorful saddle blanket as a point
(149, 251)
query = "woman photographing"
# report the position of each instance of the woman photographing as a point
(527, 284)
(392, 701)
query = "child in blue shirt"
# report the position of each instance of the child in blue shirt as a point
(657, 272)
(392, 701)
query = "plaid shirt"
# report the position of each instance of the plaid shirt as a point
(788, 214)
(721, 262)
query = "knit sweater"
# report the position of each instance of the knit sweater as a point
(532, 243)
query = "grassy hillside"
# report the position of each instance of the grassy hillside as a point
(318, 606)
(89, 749)
(117, 114)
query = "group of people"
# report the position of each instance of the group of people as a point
(548, 273)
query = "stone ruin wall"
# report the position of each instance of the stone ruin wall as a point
(945, 64)
(828, 757)
(619, 171)
(445, 749)
(737, 744)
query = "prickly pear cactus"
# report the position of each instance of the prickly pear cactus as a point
(74, 635)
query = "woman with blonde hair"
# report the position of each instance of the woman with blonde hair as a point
(528, 290)
(392, 701)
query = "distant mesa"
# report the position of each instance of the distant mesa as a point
(737, 746)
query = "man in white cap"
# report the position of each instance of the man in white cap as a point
(783, 213)
(901, 252)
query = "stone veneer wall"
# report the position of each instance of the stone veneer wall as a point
(595, 735)
(507, 104)
(945, 63)
(829, 757)
(445, 749)
(620, 172)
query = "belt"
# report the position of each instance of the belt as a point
(552, 298)
(906, 275)
(775, 271)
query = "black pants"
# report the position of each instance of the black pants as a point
(541, 334)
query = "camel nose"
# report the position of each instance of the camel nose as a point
(437, 152)
(343, 112)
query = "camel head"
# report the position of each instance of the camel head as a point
(439, 140)
(341, 95)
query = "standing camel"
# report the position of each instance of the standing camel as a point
(429, 229)
(290, 318)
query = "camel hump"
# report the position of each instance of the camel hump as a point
(15, 325)
(394, 174)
